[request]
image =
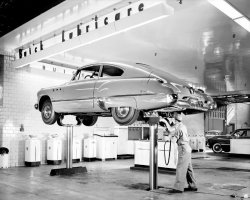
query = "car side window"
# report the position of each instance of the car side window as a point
(109, 70)
(248, 133)
(87, 73)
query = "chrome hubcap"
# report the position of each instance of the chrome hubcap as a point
(217, 148)
(47, 112)
(122, 111)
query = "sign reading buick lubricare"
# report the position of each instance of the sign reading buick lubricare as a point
(81, 28)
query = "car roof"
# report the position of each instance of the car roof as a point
(239, 129)
(130, 69)
(214, 131)
(142, 69)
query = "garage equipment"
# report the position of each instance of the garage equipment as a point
(77, 150)
(69, 170)
(106, 146)
(125, 146)
(32, 152)
(4, 157)
(89, 149)
(54, 151)
(167, 155)
(153, 120)
(146, 152)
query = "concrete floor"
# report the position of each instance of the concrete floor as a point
(218, 178)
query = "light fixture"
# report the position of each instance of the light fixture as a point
(244, 22)
(231, 12)
(226, 8)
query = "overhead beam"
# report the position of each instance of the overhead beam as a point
(156, 12)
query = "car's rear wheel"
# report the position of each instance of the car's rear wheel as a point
(49, 116)
(89, 120)
(125, 115)
(217, 148)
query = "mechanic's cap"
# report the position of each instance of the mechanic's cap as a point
(177, 116)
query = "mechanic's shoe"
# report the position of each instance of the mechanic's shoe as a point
(190, 189)
(174, 191)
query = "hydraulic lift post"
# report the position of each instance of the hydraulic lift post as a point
(69, 157)
(69, 170)
(153, 162)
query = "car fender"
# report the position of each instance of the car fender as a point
(106, 103)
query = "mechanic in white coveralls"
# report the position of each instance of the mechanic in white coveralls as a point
(184, 169)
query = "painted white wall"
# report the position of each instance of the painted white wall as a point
(195, 124)
(19, 97)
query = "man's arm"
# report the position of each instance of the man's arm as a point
(169, 129)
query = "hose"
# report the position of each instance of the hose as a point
(169, 151)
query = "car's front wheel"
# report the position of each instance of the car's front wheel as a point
(49, 116)
(125, 115)
(89, 120)
(217, 148)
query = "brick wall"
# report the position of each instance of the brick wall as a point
(19, 97)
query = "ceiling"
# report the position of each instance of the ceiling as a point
(14, 13)
(198, 43)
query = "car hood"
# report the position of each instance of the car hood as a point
(221, 137)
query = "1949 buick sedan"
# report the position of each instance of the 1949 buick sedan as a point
(122, 90)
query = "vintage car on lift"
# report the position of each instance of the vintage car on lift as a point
(124, 91)
(222, 142)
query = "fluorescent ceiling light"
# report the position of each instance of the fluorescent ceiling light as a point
(226, 8)
(231, 12)
(244, 22)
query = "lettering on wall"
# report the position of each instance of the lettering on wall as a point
(94, 24)
(32, 49)
(52, 68)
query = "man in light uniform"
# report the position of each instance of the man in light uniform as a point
(184, 169)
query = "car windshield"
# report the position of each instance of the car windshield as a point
(86, 73)
(241, 133)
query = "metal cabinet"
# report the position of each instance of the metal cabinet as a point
(89, 149)
(54, 151)
(77, 150)
(32, 152)
(106, 146)
(142, 152)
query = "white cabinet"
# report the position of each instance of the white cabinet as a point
(77, 150)
(54, 151)
(32, 152)
(201, 143)
(89, 149)
(197, 143)
(124, 146)
(142, 154)
(106, 146)
(193, 143)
